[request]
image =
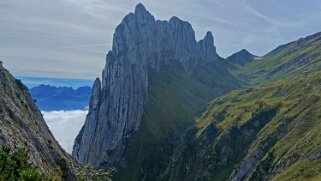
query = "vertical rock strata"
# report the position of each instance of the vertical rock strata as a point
(118, 103)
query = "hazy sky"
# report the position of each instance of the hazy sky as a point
(69, 38)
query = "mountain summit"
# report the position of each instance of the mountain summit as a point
(140, 9)
(242, 58)
(156, 79)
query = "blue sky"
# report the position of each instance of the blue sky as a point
(69, 38)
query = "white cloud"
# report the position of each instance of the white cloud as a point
(65, 126)
(46, 38)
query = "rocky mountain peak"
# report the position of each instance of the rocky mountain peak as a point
(142, 14)
(209, 38)
(140, 9)
(207, 48)
(140, 43)
(244, 52)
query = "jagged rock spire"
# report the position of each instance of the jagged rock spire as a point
(207, 48)
(139, 43)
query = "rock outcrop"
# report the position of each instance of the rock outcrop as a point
(140, 44)
(23, 127)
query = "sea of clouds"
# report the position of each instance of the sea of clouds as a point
(65, 125)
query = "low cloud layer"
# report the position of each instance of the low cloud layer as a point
(65, 126)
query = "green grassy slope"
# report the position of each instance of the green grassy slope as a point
(293, 58)
(273, 130)
(175, 100)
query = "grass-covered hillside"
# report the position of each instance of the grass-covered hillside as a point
(271, 132)
(297, 57)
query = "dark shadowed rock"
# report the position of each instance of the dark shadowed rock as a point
(241, 58)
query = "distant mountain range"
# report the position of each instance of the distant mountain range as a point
(31, 82)
(51, 98)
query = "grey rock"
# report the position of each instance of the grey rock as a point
(23, 127)
(315, 156)
(139, 43)
(285, 164)
(207, 48)
(247, 166)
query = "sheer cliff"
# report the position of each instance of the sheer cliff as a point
(156, 80)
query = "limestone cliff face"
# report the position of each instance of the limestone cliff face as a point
(118, 103)
(22, 126)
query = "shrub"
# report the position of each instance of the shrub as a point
(30, 174)
(14, 165)
(88, 173)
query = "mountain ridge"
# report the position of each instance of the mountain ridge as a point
(23, 127)
(255, 134)
(241, 58)
(157, 79)
(259, 133)
(293, 58)
(52, 98)
(124, 105)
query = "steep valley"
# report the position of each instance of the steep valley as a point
(168, 107)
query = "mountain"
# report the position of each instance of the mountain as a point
(31, 82)
(23, 127)
(290, 59)
(266, 133)
(241, 58)
(51, 98)
(147, 117)
(263, 133)
(156, 80)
